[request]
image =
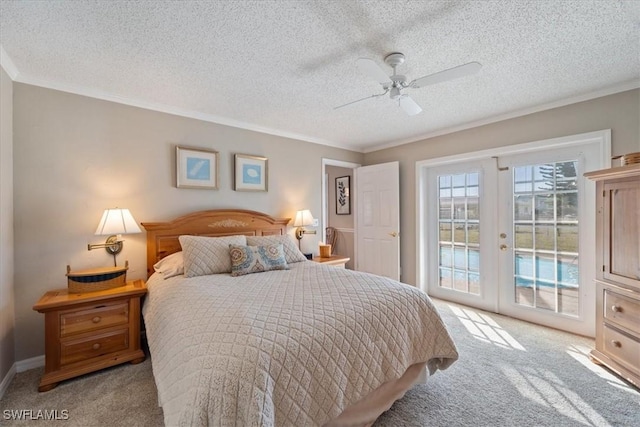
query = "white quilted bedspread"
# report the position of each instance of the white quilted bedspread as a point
(284, 348)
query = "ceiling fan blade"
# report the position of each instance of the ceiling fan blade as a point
(409, 105)
(450, 74)
(363, 99)
(369, 68)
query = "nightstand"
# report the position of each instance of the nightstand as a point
(90, 331)
(335, 260)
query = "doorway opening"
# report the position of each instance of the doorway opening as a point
(338, 207)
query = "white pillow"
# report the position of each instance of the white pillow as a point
(171, 265)
(208, 255)
(291, 251)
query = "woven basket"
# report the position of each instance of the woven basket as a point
(96, 279)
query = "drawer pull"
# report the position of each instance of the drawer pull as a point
(616, 308)
(96, 346)
(96, 319)
(616, 343)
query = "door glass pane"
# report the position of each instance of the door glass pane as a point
(524, 292)
(567, 235)
(459, 258)
(473, 208)
(567, 206)
(445, 231)
(522, 179)
(473, 233)
(445, 278)
(544, 207)
(523, 211)
(545, 230)
(445, 208)
(523, 236)
(459, 211)
(459, 232)
(545, 237)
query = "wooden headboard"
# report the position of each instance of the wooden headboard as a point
(162, 237)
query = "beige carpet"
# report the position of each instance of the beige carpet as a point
(510, 373)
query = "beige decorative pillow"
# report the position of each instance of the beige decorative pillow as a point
(256, 259)
(208, 255)
(291, 252)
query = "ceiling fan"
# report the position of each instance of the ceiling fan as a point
(396, 83)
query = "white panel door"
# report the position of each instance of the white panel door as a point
(378, 219)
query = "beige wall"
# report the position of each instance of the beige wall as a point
(74, 156)
(7, 323)
(619, 112)
(344, 223)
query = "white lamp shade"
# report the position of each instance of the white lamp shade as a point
(303, 218)
(117, 221)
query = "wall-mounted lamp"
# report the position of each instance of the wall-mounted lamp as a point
(303, 218)
(114, 223)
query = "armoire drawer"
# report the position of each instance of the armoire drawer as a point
(620, 347)
(622, 310)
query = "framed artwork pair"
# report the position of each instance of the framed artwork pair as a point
(200, 168)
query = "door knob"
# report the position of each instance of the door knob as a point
(503, 247)
(393, 234)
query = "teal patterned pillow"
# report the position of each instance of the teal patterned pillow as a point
(256, 259)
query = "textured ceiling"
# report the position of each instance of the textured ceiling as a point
(282, 66)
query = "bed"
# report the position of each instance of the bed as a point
(307, 345)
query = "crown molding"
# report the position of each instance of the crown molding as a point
(8, 65)
(623, 87)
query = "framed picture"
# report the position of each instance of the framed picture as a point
(251, 173)
(196, 168)
(343, 199)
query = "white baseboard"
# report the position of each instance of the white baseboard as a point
(32, 363)
(19, 366)
(4, 385)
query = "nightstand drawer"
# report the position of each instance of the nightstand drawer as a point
(96, 345)
(621, 347)
(622, 310)
(97, 317)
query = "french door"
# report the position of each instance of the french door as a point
(460, 203)
(514, 234)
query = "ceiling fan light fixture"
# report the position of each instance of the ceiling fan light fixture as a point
(394, 84)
